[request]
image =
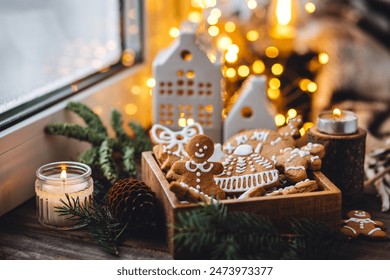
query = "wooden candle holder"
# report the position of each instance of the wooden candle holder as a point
(343, 163)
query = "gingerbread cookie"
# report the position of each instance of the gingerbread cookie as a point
(170, 145)
(292, 128)
(198, 171)
(263, 141)
(185, 193)
(360, 224)
(300, 187)
(246, 169)
(294, 163)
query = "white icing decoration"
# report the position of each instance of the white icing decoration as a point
(198, 187)
(198, 180)
(241, 139)
(229, 148)
(205, 147)
(258, 148)
(260, 135)
(198, 166)
(243, 150)
(199, 155)
(276, 141)
(295, 168)
(352, 229)
(197, 145)
(175, 138)
(312, 159)
(198, 174)
(373, 230)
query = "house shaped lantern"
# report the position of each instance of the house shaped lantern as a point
(188, 84)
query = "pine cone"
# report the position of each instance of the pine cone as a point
(133, 202)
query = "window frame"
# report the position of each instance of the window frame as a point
(33, 107)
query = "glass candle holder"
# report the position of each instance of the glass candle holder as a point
(53, 182)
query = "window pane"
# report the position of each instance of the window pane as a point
(47, 44)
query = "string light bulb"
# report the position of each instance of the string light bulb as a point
(280, 119)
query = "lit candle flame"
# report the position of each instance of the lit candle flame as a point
(63, 174)
(283, 12)
(337, 112)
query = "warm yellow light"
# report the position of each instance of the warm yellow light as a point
(243, 71)
(136, 90)
(212, 20)
(323, 58)
(312, 87)
(252, 4)
(337, 112)
(274, 83)
(308, 125)
(233, 48)
(151, 83)
(271, 52)
(204, 4)
(273, 93)
(194, 16)
(292, 113)
(283, 11)
(174, 32)
(131, 109)
(128, 57)
(216, 13)
(209, 108)
(258, 67)
(182, 122)
(277, 69)
(302, 131)
(230, 73)
(310, 7)
(213, 31)
(63, 174)
(224, 42)
(303, 84)
(190, 121)
(280, 120)
(231, 57)
(98, 110)
(252, 35)
(230, 26)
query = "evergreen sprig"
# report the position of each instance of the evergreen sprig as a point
(211, 232)
(97, 219)
(110, 158)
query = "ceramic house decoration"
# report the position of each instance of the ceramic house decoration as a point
(250, 110)
(188, 85)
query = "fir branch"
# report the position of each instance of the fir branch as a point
(106, 162)
(90, 156)
(129, 163)
(99, 221)
(116, 123)
(90, 118)
(210, 232)
(141, 141)
(76, 131)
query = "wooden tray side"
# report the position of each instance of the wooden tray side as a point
(323, 206)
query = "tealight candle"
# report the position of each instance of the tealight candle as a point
(337, 122)
(54, 181)
(344, 144)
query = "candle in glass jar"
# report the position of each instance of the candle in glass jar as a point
(54, 181)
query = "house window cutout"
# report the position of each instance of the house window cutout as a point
(186, 55)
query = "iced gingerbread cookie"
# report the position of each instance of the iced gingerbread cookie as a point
(263, 141)
(292, 128)
(300, 187)
(185, 193)
(360, 224)
(198, 172)
(170, 145)
(245, 169)
(294, 163)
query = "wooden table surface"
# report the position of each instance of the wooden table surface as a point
(22, 237)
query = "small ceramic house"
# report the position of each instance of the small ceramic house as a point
(250, 110)
(188, 85)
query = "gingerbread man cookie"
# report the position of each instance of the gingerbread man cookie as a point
(360, 224)
(170, 145)
(185, 193)
(198, 172)
(294, 163)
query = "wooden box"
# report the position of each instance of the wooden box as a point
(323, 205)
